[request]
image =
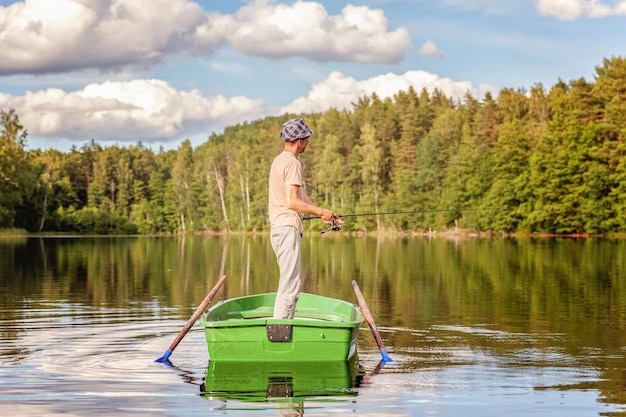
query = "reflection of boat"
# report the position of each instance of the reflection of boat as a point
(280, 381)
(242, 329)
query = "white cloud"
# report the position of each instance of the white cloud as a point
(148, 110)
(279, 31)
(579, 9)
(154, 112)
(430, 49)
(340, 91)
(43, 36)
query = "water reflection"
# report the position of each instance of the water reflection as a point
(470, 324)
(282, 382)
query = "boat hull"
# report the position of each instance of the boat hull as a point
(241, 329)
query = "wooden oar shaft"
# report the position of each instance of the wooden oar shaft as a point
(370, 320)
(368, 315)
(201, 308)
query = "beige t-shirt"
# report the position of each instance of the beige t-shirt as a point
(286, 170)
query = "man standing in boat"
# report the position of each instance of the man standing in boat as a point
(287, 203)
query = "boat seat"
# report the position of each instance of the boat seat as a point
(265, 313)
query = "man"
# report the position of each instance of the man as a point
(287, 204)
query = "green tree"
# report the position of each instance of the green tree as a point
(440, 146)
(334, 140)
(163, 216)
(220, 192)
(58, 195)
(402, 194)
(610, 93)
(331, 171)
(510, 158)
(430, 172)
(18, 175)
(182, 177)
(371, 156)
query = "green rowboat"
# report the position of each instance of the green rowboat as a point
(242, 329)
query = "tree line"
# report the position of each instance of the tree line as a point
(538, 161)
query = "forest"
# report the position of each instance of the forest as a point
(544, 161)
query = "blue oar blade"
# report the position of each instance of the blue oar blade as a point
(166, 356)
(385, 357)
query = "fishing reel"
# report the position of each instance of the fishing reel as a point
(335, 227)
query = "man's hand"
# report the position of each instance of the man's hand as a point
(328, 217)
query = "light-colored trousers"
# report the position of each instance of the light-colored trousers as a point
(286, 242)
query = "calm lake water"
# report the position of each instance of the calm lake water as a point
(476, 327)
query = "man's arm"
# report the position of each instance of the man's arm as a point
(307, 199)
(294, 202)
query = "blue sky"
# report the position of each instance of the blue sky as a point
(161, 71)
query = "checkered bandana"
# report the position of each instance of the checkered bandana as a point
(295, 129)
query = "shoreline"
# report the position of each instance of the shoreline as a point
(449, 234)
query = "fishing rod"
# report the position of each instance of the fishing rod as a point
(394, 212)
(334, 226)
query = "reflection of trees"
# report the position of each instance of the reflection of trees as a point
(566, 287)
(562, 286)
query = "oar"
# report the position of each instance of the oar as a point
(370, 320)
(203, 306)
